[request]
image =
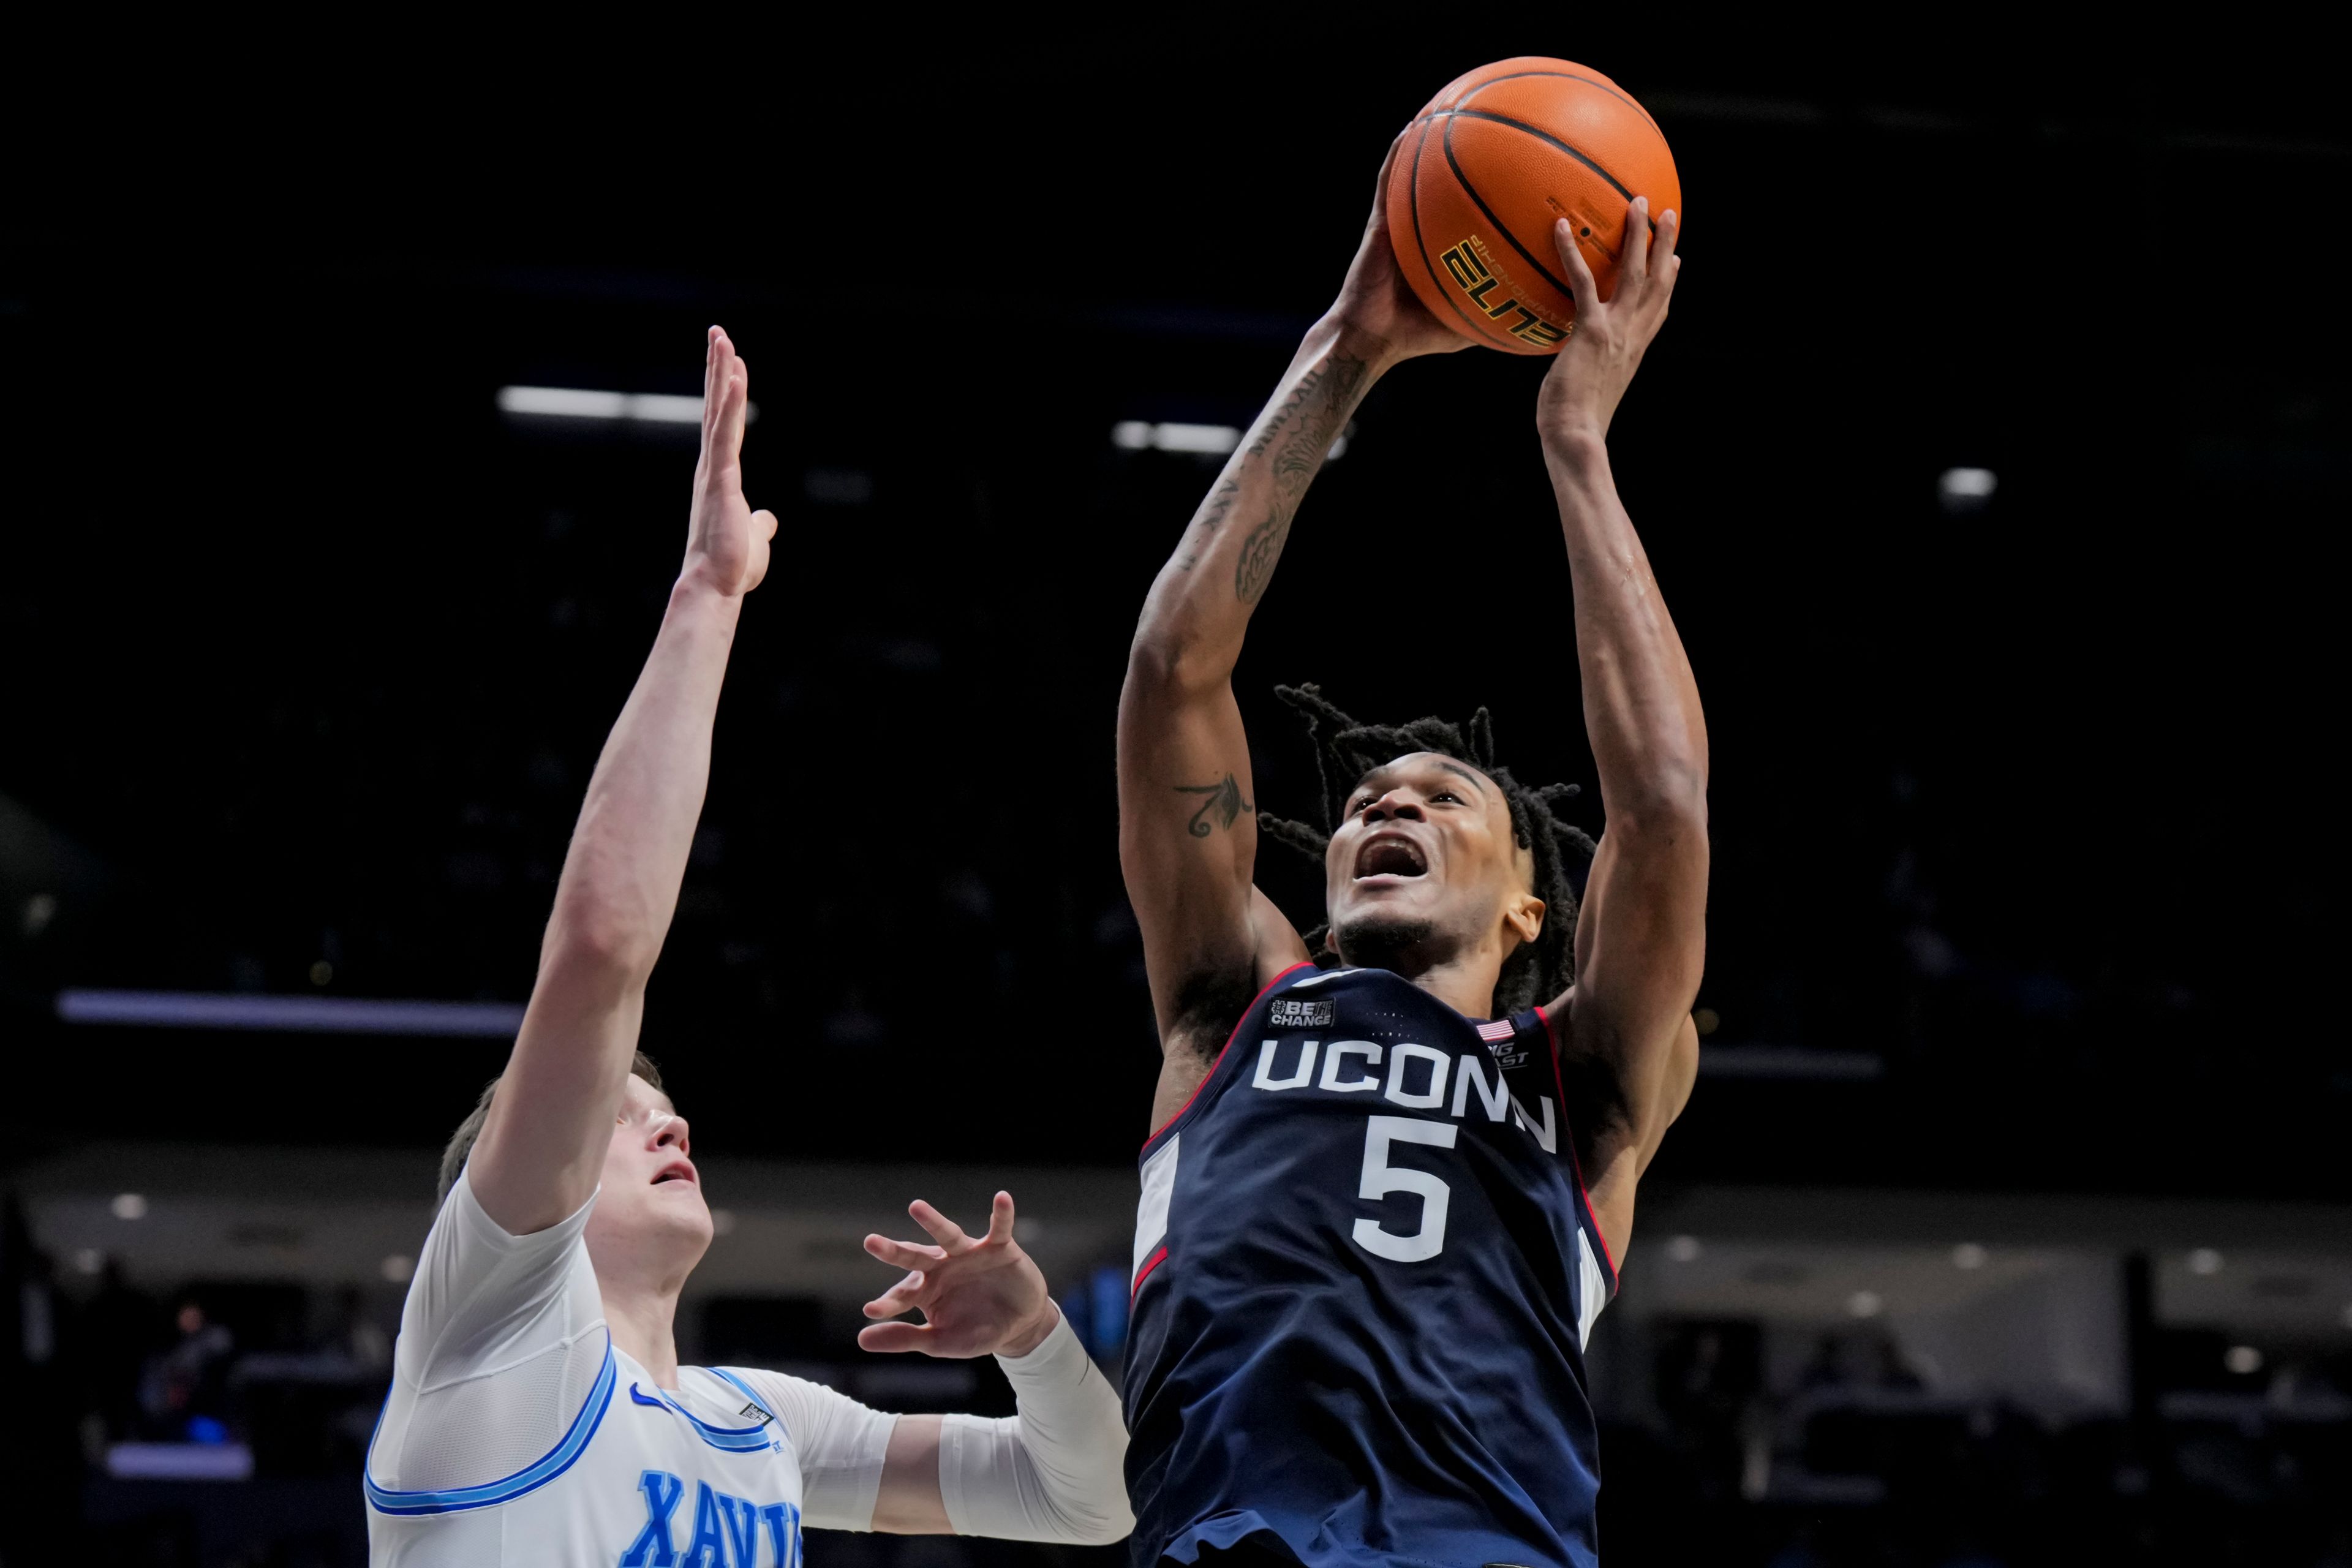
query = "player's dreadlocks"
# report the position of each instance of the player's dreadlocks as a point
(1346, 750)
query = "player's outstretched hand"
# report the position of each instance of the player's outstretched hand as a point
(979, 1295)
(1377, 301)
(1597, 362)
(726, 541)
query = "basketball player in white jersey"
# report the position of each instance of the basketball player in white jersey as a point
(538, 1414)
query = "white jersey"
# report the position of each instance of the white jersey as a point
(516, 1433)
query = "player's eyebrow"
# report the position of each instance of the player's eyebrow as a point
(1465, 773)
(1366, 782)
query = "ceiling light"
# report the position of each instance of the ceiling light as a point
(585, 403)
(397, 1268)
(1174, 435)
(1969, 1255)
(2243, 1359)
(304, 1014)
(129, 1205)
(180, 1461)
(1866, 1303)
(2204, 1260)
(1682, 1249)
(1964, 490)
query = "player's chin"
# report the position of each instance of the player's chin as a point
(1373, 933)
(679, 1204)
(691, 1226)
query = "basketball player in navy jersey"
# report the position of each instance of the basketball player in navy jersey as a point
(1384, 1195)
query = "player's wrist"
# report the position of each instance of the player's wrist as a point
(1033, 1332)
(1346, 334)
(699, 587)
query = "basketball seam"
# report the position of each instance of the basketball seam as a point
(1500, 227)
(1564, 76)
(1421, 246)
(1545, 136)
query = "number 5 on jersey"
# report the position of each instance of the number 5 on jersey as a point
(1381, 1179)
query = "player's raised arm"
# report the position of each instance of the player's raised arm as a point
(1188, 827)
(1641, 935)
(541, 1149)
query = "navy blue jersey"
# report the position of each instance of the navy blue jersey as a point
(1364, 1270)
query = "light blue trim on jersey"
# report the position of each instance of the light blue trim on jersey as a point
(755, 1399)
(730, 1439)
(530, 1479)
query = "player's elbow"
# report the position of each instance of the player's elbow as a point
(599, 942)
(1108, 1530)
(1166, 667)
(1666, 798)
(1106, 1523)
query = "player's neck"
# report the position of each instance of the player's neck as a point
(642, 1318)
(1465, 982)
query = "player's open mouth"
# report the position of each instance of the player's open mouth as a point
(676, 1171)
(1389, 855)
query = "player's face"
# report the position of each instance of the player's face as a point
(1426, 843)
(650, 1212)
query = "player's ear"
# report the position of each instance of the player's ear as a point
(1525, 916)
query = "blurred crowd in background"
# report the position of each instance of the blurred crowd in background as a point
(225, 1421)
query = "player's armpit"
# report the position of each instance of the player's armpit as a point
(1188, 842)
(1680, 1077)
(1628, 1049)
(1615, 1169)
(1209, 1005)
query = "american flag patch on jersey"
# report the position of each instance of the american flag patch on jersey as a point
(1496, 1032)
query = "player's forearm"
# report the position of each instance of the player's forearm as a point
(1200, 606)
(1641, 704)
(1053, 1472)
(621, 878)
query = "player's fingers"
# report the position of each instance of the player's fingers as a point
(943, 1230)
(1636, 267)
(903, 1254)
(1661, 249)
(766, 522)
(904, 1297)
(1000, 1219)
(730, 413)
(722, 369)
(1580, 275)
(1380, 184)
(716, 454)
(710, 378)
(909, 1287)
(891, 1337)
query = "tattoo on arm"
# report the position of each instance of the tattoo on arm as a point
(1297, 436)
(1261, 552)
(1224, 802)
(1211, 518)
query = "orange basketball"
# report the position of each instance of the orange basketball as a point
(1487, 169)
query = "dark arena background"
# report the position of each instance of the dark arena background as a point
(1988, 463)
